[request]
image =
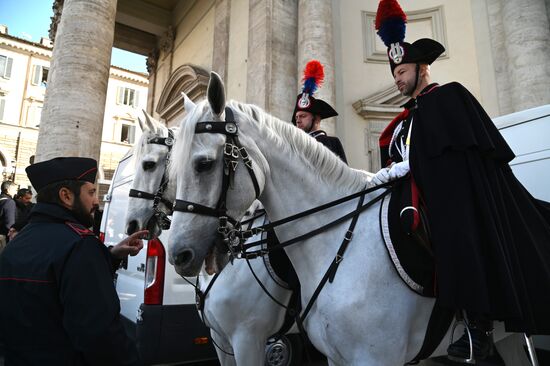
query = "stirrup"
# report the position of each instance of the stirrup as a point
(464, 321)
(531, 350)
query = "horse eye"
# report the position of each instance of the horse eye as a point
(204, 165)
(148, 165)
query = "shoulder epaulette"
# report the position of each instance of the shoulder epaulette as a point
(79, 229)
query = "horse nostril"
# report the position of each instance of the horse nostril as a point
(184, 257)
(132, 227)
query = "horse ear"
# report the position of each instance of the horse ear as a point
(188, 104)
(142, 125)
(150, 123)
(216, 93)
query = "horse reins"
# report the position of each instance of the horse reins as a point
(232, 151)
(229, 227)
(157, 197)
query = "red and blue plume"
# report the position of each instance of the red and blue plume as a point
(390, 22)
(314, 74)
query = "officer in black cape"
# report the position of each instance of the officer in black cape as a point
(489, 236)
(309, 111)
(59, 305)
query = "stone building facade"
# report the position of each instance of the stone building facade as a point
(497, 48)
(24, 70)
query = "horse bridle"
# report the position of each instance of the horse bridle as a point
(232, 151)
(157, 197)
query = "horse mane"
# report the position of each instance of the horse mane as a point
(326, 165)
(184, 138)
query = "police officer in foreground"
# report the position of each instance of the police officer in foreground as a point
(309, 111)
(59, 305)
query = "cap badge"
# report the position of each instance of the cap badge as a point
(304, 101)
(396, 52)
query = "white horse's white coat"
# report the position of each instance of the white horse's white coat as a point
(367, 316)
(240, 315)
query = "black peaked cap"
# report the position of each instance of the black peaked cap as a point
(59, 169)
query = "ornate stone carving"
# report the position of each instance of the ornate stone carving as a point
(152, 60)
(192, 80)
(57, 10)
(166, 43)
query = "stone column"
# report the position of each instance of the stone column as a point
(315, 41)
(527, 42)
(221, 38)
(271, 76)
(72, 118)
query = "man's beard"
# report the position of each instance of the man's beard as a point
(407, 91)
(82, 215)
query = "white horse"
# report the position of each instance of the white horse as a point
(241, 316)
(367, 316)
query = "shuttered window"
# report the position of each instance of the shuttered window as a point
(5, 66)
(2, 107)
(127, 96)
(127, 133)
(39, 75)
(36, 74)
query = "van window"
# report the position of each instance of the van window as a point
(126, 168)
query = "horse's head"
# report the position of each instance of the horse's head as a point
(212, 181)
(151, 154)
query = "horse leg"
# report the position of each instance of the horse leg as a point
(249, 348)
(223, 349)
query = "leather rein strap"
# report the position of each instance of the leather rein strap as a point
(157, 197)
(232, 152)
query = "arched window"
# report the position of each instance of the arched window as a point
(192, 80)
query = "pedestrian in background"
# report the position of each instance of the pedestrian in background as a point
(23, 203)
(7, 211)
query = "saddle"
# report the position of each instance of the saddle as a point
(408, 246)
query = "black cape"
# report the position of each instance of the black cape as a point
(491, 238)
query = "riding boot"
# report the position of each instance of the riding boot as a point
(481, 330)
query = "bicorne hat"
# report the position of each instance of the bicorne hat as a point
(59, 169)
(390, 25)
(314, 75)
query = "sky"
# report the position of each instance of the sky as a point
(30, 20)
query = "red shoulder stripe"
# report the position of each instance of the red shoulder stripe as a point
(385, 137)
(79, 229)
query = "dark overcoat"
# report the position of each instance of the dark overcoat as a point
(59, 305)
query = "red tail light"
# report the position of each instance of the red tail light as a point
(154, 273)
(102, 237)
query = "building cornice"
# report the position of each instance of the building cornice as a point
(133, 76)
(24, 45)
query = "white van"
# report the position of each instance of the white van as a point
(528, 134)
(157, 305)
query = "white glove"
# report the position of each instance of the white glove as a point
(399, 170)
(381, 177)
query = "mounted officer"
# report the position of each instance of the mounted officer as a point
(489, 236)
(59, 305)
(309, 111)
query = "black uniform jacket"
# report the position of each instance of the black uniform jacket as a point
(491, 238)
(331, 142)
(58, 302)
(7, 213)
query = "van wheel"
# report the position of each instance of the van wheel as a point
(286, 351)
